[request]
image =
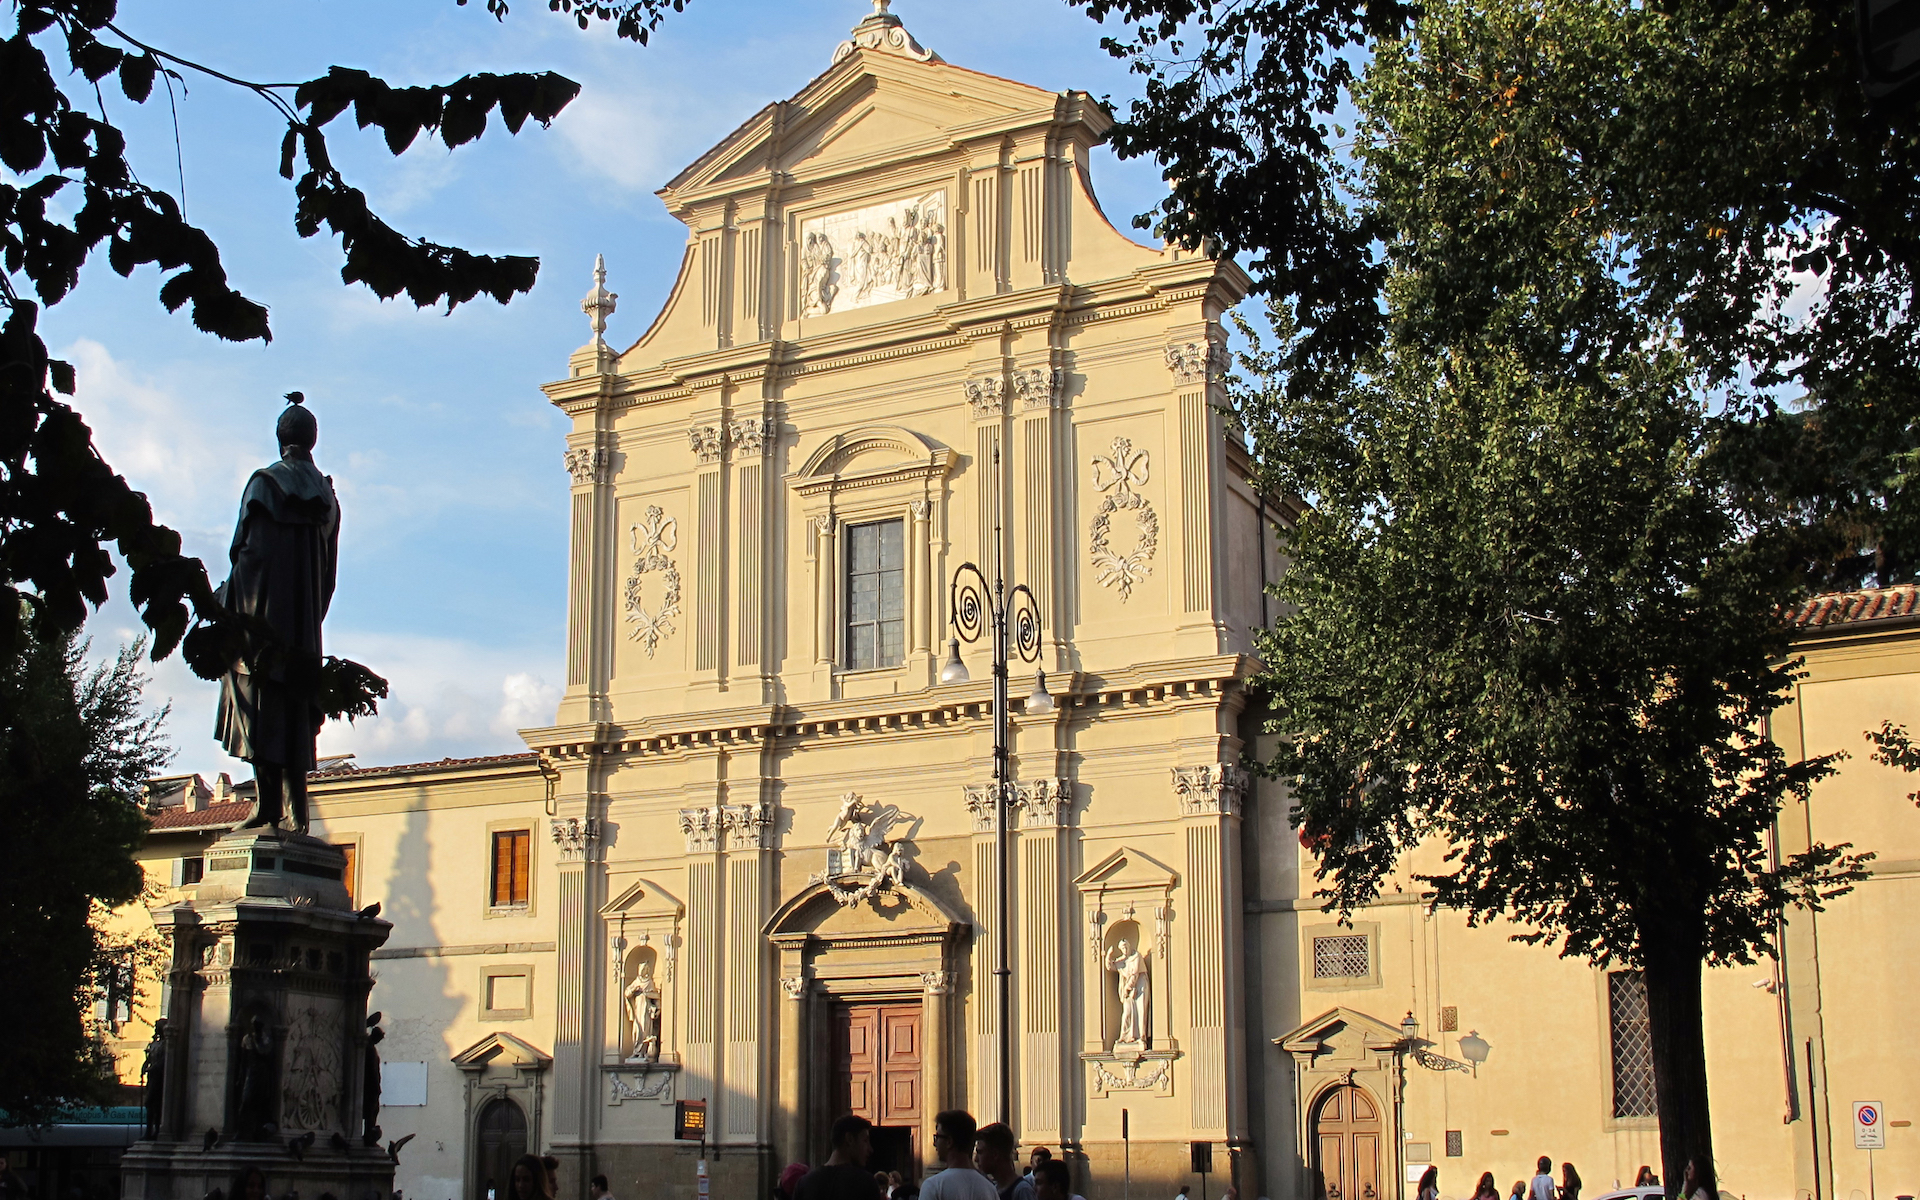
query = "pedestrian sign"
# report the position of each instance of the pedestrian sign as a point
(1869, 1125)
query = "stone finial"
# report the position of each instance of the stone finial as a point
(884, 32)
(600, 302)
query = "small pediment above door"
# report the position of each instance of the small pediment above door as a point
(643, 900)
(1340, 1028)
(1127, 869)
(502, 1049)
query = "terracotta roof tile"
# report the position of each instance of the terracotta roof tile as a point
(213, 816)
(1848, 608)
(525, 756)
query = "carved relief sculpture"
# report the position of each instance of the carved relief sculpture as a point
(1039, 387)
(873, 255)
(1198, 362)
(862, 850)
(706, 441)
(587, 464)
(1119, 474)
(643, 1014)
(748, 436)
(1209, 788)
(653, 540)
(987, 395)
(882, 31)
(1133, 984)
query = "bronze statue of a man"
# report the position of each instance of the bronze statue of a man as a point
(284, 555)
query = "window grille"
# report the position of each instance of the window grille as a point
(1449, 1019)
(1341, 956)
(876, 612)
(1455, 1148)
(1632, 1045)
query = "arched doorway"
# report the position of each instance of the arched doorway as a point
(1345, 1134)
(500, 1137)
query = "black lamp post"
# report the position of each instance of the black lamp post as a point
(977, 607)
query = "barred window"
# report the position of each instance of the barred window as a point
(1456, 1148)
(1342, 956)
(1632, 1045)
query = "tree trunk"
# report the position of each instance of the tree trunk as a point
(1674, 1022)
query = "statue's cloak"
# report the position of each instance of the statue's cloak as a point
(285, 555)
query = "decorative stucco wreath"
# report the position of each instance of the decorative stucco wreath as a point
(653, 539)
(1130, 469)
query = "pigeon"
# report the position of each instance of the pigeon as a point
(296, 397)
(207, 1143)
(374, 1019)
(337, 1141)
(393, 1148)
(369, 912)
(298, 1146)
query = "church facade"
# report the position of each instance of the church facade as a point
(753, 860)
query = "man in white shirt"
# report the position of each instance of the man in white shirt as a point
(953, 1134)
(1542, 1187)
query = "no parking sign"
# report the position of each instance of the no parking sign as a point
(1869, 1125)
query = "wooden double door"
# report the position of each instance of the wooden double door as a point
(1346, 1134)
(876, 1057)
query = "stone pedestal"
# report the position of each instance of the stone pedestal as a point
(268, 935)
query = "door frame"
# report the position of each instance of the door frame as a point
(1316, 1167)
(1343, 1046)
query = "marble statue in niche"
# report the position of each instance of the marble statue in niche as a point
(642, 998)
(1132, 985)
(873, 255)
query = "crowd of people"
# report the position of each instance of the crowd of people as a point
(1543, 1187)
(977, 1164)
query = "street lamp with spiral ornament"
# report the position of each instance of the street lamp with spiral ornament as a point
(978, 608)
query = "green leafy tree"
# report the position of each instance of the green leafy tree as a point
(68, 520)
(74, 763)
(1535, 622)
(1770, 213)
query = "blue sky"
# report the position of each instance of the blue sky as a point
(445, 453)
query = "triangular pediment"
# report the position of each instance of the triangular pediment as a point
(1127, 869)
(505, 1048)
(868, 108)
(643, 899)
(1319, 1033)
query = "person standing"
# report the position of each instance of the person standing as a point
(1542, 1187)
(1646, 1177)
(1429, 1184)
(789, 1180)
(844, 1176)
(1185, 1188)
(1488, 1189)
(1569, 1182)
(993, 1154)
(1519, 1191)
(597, 1188)
(1053, 1181)
(953, 1141)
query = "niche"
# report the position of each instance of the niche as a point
(641, 992)
(1126, 989)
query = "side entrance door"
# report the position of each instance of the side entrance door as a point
(876, 1074)
(502, 1136)
(1346, 1145)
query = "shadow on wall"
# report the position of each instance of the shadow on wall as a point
(423, 1008)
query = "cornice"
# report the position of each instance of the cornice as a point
(1191, 682)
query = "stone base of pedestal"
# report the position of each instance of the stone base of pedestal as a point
(181, 1171)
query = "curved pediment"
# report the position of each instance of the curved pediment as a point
(868, 456)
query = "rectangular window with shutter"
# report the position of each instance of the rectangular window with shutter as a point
(876, 612)
(1632, 1044)
(346, 876)
(512, 867)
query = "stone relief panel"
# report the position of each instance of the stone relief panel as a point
(1120, 474)
(310, 1096)
(873, 255)
(654, 538)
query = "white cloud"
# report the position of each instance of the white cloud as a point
(189, 462)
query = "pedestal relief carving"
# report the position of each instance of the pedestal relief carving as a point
(654, 539)
(1118, 474)
(643, 1085)
(1210, 788)
(874, 255)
